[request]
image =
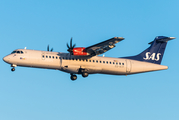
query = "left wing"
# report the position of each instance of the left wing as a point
(103, 47)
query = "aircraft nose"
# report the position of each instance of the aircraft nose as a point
(6, 59)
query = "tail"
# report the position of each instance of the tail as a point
(155, 52)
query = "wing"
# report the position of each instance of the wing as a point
(104, 46)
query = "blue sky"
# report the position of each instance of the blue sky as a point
(33, 94)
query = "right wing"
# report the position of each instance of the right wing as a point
(104, 46)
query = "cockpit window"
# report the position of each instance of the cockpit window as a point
(13, 52)
(18, 52)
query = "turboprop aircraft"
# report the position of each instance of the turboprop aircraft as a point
(85, 61)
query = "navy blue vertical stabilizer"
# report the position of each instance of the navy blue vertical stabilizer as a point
(154, 53)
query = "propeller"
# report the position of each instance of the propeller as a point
(48, 48)
(70, 48)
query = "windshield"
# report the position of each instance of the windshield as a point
(13, 52)
(18, 52)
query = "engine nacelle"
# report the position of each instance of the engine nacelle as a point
(80, 51)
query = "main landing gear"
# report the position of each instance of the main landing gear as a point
(85, 74)
(81, 71)
(73, 77)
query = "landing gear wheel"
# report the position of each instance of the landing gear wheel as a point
(85, 74)
(13, 69)
(73, 77)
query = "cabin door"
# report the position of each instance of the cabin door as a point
(128, 66)
(61, 61)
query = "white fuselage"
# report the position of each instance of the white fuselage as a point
(72, 64)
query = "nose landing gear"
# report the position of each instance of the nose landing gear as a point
(13, 69)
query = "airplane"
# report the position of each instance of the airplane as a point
(85, 61)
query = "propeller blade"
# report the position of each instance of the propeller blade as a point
(68, 46)
(51, 50)
(71, 43)
(74, 45)
(48, 48)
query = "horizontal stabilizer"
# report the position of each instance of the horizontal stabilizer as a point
(162, 39)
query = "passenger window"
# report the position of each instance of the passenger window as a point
(119, 63)
(22, 52)
(18, 52)
(43, 56)
(93, 61)
(103, 61)
(79, 59)
(46, 56)
(113, 62)
(107, 62)
(56, 57)
(53, 57)
(96, 61)
(116, 63)
(73, 59)
(100, 61)
(89, 60)
(110, 62)
(122, 63)
(49, 56)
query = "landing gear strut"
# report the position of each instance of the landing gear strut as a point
(73, 77)
(13, 69)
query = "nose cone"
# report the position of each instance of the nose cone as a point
(6, 59)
